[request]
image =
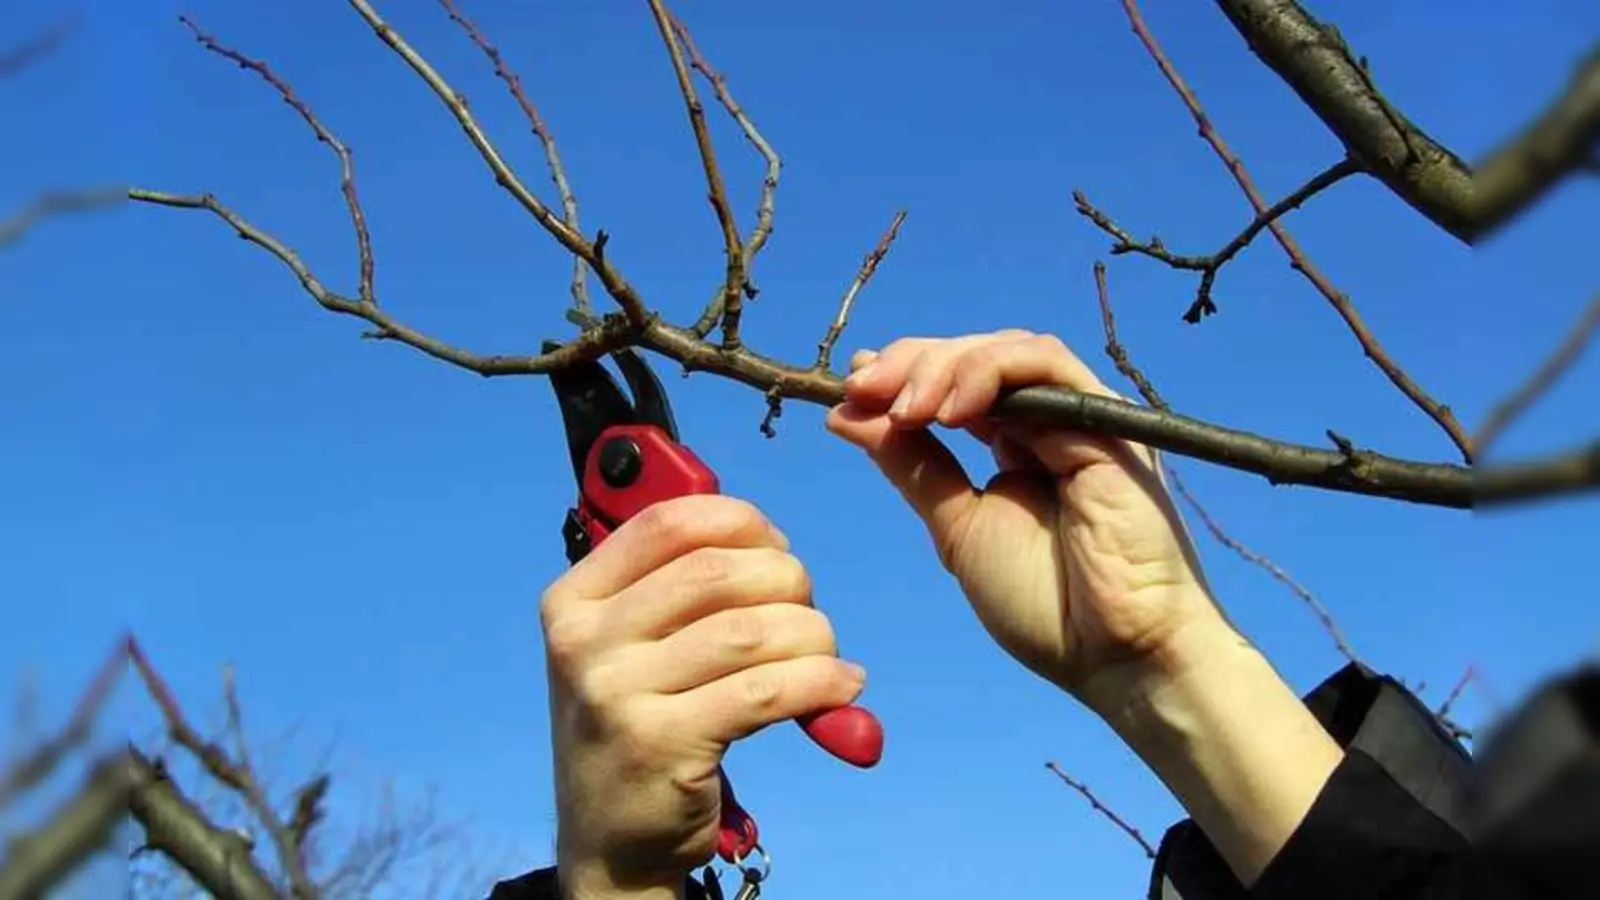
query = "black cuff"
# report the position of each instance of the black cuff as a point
(1366, 836)
(545, 884)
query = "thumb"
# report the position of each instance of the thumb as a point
(918, 464)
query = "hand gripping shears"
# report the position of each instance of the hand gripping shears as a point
(626, 456)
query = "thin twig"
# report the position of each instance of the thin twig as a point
(235, 773)
(1281, 462)
(1324, 616)
(869, 265)
(1124, 364)
(1560, 360)
(347, 176)
(1298, 259)
(1108, 812)
(18, 58)
(766, 205)
(1208, 266)
(1115, 350)
(35, 766)
(1443, 712)
(1455, 692)
(1344, 468)
(54, 203)
(558, 171)
(734, 285)
(613, 282)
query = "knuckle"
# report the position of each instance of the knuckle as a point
(1049, 344)
(791, 579)
(568, 635)
(743, 631)
(700, 518)
(600, 688)
(817, 630)
(761, 688)
(707, 567)
(674, 518)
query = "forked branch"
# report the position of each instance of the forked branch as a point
(234, 771)
(1342, 467)
(1208, 266)
(733, 247)
(1314, 60)
(1298, 259)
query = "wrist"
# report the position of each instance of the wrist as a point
(1123, 694)
(1230, 739)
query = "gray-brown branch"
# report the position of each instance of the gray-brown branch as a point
(35, 862)
(219, 860)
(1342, 468)
(1469, 202)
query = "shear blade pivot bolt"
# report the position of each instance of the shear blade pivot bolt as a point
(620, 462)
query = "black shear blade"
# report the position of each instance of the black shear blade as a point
(590, 402)
(649, 397)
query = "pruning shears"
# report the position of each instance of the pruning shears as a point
(626, 456)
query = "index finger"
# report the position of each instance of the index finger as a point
(663, 532)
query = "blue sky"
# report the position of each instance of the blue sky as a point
(194, 449)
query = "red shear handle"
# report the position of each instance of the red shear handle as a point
(633, 466)
(851, 733)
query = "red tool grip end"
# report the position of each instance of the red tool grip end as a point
(849, 732)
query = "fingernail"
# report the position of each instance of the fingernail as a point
(856, 671)
(860, 376)
(903, 402)
(863, 358)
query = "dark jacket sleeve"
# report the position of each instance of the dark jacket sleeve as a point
(1408, 815)
(545, 884)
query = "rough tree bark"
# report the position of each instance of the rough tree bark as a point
(1381, 142)
(1306, 53)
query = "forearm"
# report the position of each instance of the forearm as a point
(1232, 741)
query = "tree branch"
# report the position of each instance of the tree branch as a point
(765, 207)
(347, 179)
(38, 764)
(54, 203)
(1342, 468)
(558, 171)
(36, 862)
(1567, 472)
(1361, 472)
(1519, 401)
(217, 859)
(1341, 304)
(234, 773)
(733, 286)
(1314, 60)
(1318, 609)
(1108, 812)
(1124, 363)
(26, 54)
(1208, 266)
(456, 103)
(869, 265)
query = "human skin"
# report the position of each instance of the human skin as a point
(692, 626)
